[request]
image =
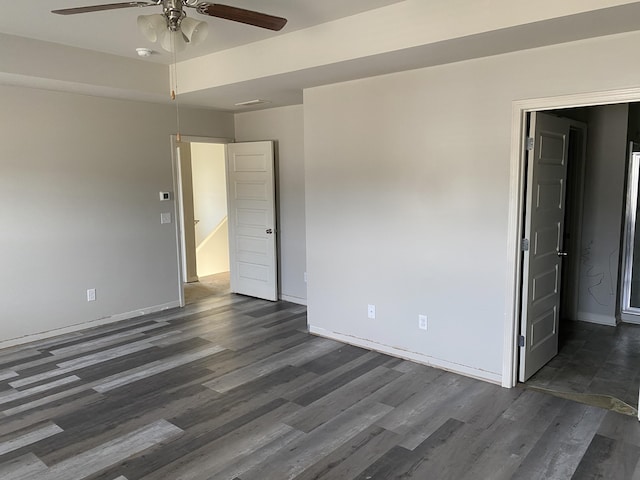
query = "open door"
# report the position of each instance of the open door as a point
(252, 219)
(542, 245)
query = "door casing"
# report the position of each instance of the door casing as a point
(179, 206)
(520, 109)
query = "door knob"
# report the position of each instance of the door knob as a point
(562, 254)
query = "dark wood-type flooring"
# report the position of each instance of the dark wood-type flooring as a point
(234, 388)
(596, 360)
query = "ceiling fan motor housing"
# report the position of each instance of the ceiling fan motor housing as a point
(174, 13)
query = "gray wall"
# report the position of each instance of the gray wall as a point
(285, 126)
(602, 214)
(407, 195)
(80, 208)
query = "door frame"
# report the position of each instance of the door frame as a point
(515, 231)
(179, 204)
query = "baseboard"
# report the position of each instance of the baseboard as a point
(596, 318)
(629, 318)
(414, 357)
(296, 300)
(85, 325)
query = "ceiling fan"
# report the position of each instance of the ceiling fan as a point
(174, 29)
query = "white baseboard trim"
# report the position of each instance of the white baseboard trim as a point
(85, 325)
(296, 300)
(629, 318)
(413, 356)
(596, 318)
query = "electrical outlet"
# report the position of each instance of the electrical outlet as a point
(422, 322)
(371, 311)
(91, 295)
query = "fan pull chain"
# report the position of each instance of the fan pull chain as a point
(174, 90)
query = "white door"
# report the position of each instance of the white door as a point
(252, 219)
(544, 226)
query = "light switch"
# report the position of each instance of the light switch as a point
(165, 196)
(165, 217)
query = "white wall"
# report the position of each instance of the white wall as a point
(285, 126)
(80, 209)
(209, 187)
(213, 253)
(604, 194)
(210, 207)
(407, 197)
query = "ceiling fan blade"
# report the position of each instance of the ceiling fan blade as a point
(241, 15)
(107, 6)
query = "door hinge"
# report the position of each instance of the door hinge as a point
(530, 143)
(521, 341)
(524, 244)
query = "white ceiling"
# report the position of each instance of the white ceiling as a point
(115, 31)
(378, 37)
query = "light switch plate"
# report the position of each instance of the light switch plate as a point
(165, 217)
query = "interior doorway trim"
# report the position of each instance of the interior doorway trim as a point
(519, 111)
(178, 204)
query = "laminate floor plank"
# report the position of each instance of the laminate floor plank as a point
(234, 388)
(310, 396)
(125, 378)
(241, 400)
(325, 408)
(204, 462)
(320, 442)
(193, 439)
(25, 420)
(292, 356)
(332, 360)
(9, 359)
(607, 458)
(402, 463)
(113, 452)
(236, 469)
(561, 448)
(352, 457)
(28, 438)
(498, 451)
(22, 468)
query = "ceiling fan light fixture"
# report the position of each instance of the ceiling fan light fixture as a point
(152, 26)
(194, 30)
(173, 41)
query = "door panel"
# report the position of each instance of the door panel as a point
(252, 219)
(544, 226)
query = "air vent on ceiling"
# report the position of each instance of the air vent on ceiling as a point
(249, 103)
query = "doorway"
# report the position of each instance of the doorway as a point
(241, 235)
(204, 218)
(593, 283)
(209, 187)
